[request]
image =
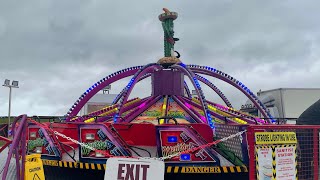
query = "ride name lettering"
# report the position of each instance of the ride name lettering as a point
(179, 147)
(132, 171)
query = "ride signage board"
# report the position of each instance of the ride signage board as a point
(134, 169)
(276, 138)
(277, 161)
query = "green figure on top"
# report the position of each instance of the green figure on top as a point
(167, 19)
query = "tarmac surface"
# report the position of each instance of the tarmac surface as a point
(12, 167)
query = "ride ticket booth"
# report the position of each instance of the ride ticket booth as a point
(275, 155)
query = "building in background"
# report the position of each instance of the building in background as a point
(99, 101)
(284, 103)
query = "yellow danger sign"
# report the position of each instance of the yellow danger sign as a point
(276, 138)
(200, 170)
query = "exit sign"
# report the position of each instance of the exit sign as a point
(134, 169)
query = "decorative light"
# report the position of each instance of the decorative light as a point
(185, 157)
(172, 139)
(38, 150)
(33, 134)
(142, 105)
(89, 136)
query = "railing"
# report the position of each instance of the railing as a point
(18, 147)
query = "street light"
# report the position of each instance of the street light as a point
(15, 84)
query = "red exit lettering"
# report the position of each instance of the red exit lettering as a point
(132, 171)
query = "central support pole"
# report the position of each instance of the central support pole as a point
(167, 19)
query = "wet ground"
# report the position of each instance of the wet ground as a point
(12, 168)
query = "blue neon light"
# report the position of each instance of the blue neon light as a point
(172, 139)
(183, 65)
(185, 157)
(115, 117)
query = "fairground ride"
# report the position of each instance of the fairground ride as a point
(166, 125)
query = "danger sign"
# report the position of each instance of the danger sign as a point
(134, 169)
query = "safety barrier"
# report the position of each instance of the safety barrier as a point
(303, 146)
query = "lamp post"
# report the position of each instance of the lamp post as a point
(15, 84)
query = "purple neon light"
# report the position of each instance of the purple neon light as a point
(231, 82)
(195, 83)
(126, 108)
(124, 89)
(215, 89)
(142, 105)
(227, 109)
(129, 117)
(103, 83)
(148, 69)
(195, 115)
(236, 113)
(187, 105)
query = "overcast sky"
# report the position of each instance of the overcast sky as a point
(57, 49)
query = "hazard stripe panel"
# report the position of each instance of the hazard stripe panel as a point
(68, 164)
(169, 169)
(206, 169)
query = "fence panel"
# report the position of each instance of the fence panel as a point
(307, 154)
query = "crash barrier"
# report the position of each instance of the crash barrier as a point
(283, 152)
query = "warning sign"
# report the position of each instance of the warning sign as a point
(34, 167)
(134, 169)
(276, 138)
(285, 161)
(264, 162)
(276, 162)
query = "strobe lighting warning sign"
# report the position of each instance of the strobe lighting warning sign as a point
(134, 169)
(276, 155)
(276, 138)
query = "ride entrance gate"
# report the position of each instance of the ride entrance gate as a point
(305, 151)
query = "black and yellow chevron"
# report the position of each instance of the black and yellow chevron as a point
(274, 170)
(206, 169)
(169, 169)
(257, 161)
(79, 165)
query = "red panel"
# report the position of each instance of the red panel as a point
(137, 134)
(145, 134)
(169, 148)
(204, 130)
(68, 129)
